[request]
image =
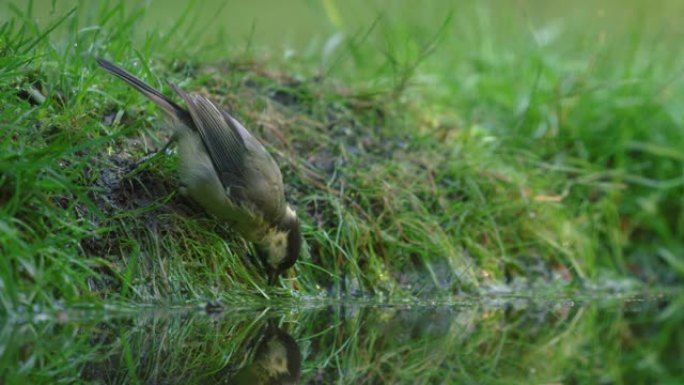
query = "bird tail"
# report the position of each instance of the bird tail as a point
(166, 104)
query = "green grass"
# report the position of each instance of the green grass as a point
(428, 153)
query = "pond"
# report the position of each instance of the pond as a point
(598, 339)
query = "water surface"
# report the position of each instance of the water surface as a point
(507, 340)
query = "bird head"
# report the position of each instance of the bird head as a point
(280, 247)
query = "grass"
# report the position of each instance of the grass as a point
(428, 154)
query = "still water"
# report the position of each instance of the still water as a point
(598, 339)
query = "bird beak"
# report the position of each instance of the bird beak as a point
(272, 277)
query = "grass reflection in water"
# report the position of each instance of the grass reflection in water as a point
(490, 340)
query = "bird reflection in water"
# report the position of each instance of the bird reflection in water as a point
(276, 360)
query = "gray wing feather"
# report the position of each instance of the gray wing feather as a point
(243, 165)
(223, 141)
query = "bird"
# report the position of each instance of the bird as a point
(225, 169)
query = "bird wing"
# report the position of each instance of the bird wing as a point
(223, 141)
(263, 178)
(246, 170)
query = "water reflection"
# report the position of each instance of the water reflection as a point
(250, 348)
(277, 360)
(496, 340)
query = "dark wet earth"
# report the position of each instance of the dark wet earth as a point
(594, 339)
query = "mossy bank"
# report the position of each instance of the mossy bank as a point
(427, 155)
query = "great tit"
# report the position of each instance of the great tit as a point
(229, 173)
